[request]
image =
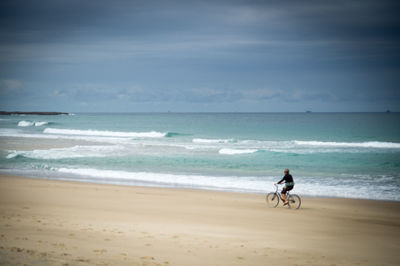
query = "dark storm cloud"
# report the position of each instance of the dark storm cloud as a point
(363, 20)
(316, 53)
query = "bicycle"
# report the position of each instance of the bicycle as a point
(273, 198)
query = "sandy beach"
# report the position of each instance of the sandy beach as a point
(47, 222)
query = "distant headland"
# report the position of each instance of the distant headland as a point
(32, 113)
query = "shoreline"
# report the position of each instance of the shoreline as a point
(184, 189)
(48, 222)
(153, 185)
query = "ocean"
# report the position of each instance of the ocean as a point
(351, 155)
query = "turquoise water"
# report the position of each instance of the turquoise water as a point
(329, 154)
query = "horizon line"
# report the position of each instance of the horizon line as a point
(199, 112)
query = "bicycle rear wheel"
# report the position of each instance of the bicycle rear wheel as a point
(272, 200)
(294, 201)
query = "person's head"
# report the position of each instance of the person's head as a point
(286, 171)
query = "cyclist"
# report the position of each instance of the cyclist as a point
(289, 184)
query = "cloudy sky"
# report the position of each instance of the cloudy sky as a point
(130, 56)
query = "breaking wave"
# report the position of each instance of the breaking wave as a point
(105, 133)
(213, 140)
(71, 152)
(236, 151)
(166, 179)
(367, 144)
(358, 186)
(25, 123)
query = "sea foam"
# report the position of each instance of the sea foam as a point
(38, 124)
(328, 186)
(4, 132)
(70, 152)
(367, 144)
(166, 179)
(213, 140)
(289, 145)
(25, 123)
(105, 133)
(236, 151)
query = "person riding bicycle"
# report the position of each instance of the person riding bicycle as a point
(289, 184)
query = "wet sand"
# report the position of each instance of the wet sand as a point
(47, 222)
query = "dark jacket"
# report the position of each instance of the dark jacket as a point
(288, 178)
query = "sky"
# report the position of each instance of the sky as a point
(199, 56)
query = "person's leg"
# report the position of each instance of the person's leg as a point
(283, 193)
(284, 197)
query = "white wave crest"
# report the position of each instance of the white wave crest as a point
(236, 151)
(105, 133)
(330, 186)
(38, 124)
(213, 140)
(71, 152)
(368, 144)
(6, 132)
(24, 123)
(167, 179)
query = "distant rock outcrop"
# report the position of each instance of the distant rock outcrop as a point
(32, 113)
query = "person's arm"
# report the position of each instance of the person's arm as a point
(283, 178)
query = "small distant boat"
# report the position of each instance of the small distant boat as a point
(308, 111)
(388, 111)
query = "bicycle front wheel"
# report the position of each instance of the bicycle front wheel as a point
(294, 201)
(272, 200)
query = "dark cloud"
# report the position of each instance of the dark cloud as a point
(364, 19)
(306, 52)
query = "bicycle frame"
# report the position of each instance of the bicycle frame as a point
(279, 193)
